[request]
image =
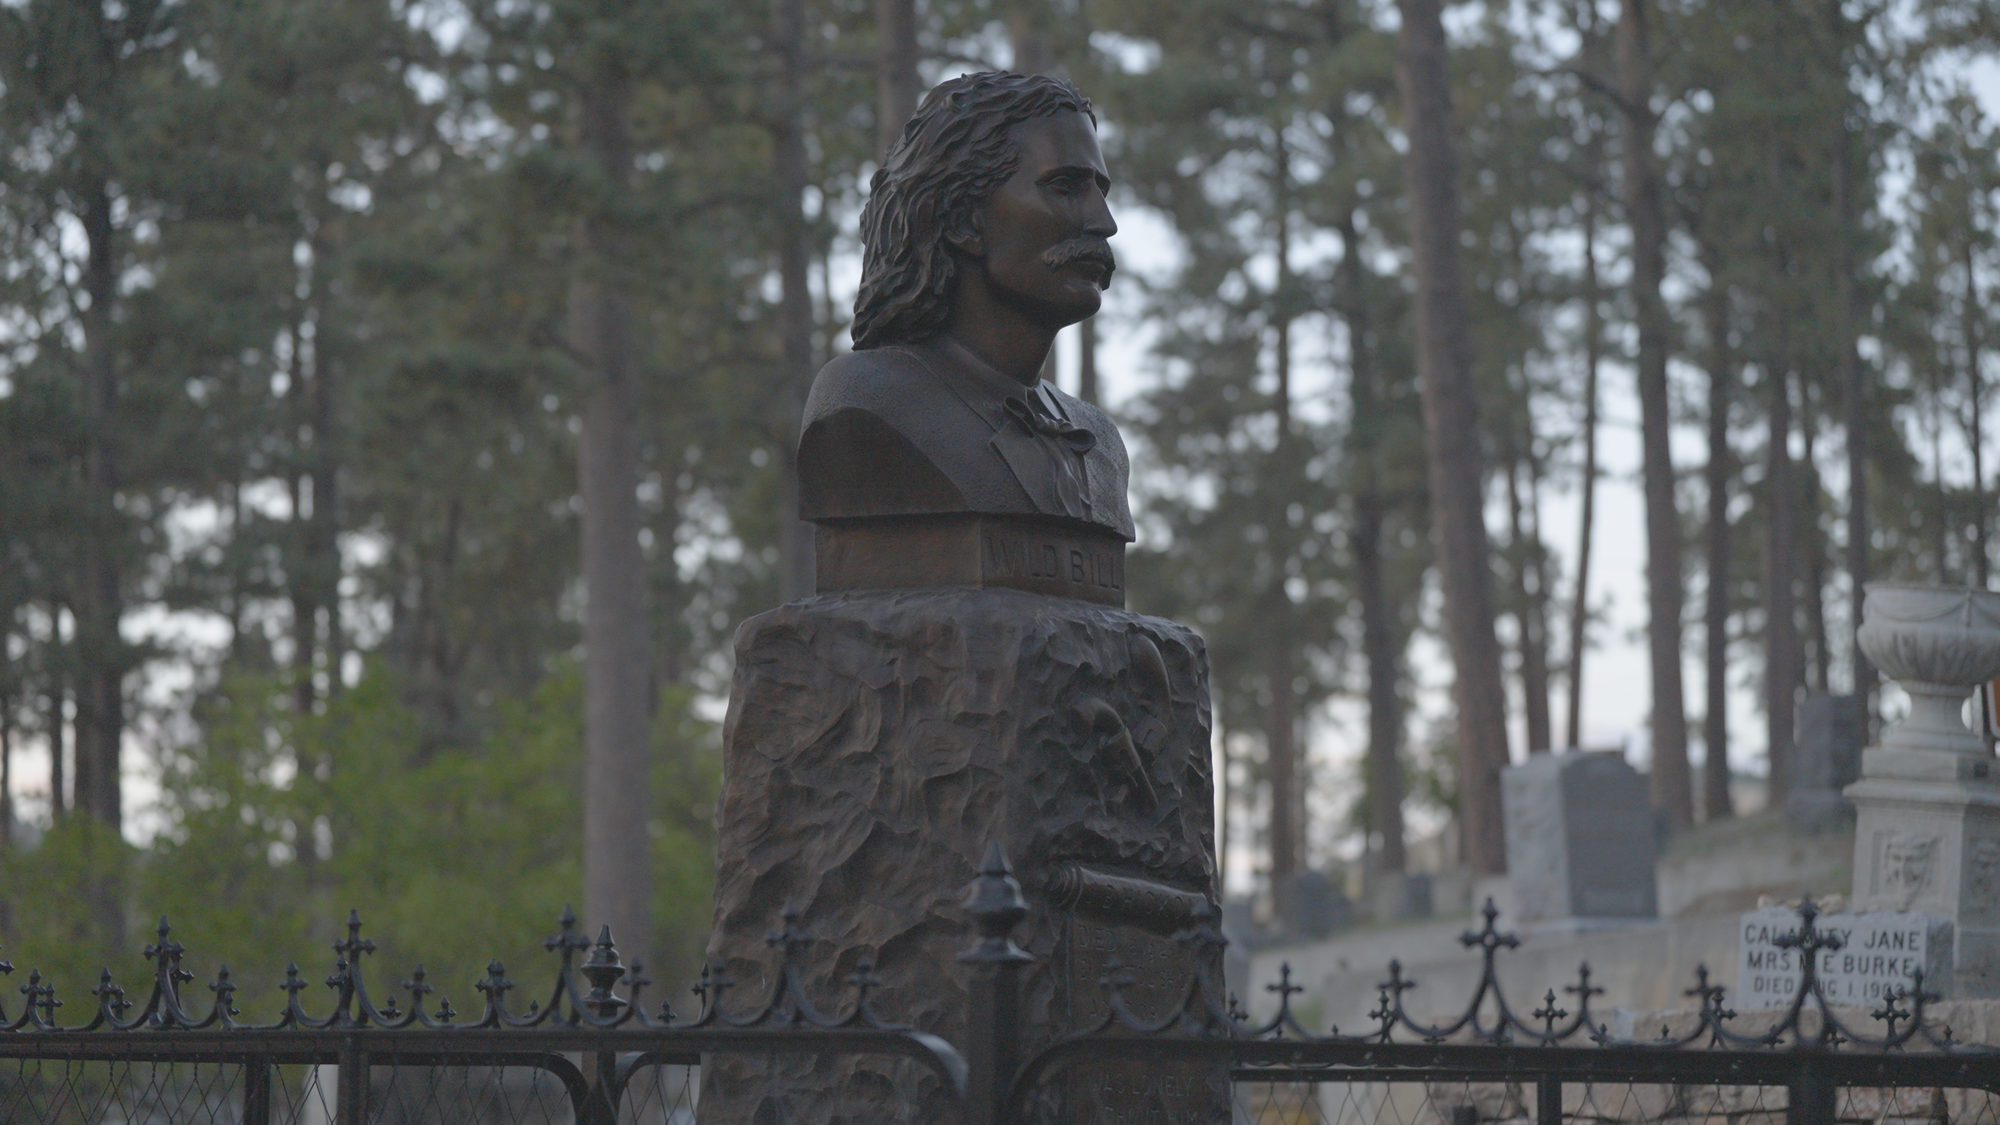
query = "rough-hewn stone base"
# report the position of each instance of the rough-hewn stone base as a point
(875, 742)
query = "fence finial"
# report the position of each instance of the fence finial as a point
(602, 970)
(995, 903)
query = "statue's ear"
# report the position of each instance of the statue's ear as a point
(966, 233)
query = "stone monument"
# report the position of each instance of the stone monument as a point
(1310, 906)
(1581, 841)
(1878, 955)
(1827, 758)
(1927, 827)
(967, 671)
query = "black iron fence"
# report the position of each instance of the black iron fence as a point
(599, 1048)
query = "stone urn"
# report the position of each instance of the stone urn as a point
(1938, 643)
(1927, 807)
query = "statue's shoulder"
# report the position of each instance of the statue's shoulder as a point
(864, 444)
(879, 381)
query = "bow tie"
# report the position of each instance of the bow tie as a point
(1079, 440)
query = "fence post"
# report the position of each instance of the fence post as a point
(351, 1090)
(602, 1109)
(603, 970)
(993, 1030)
(1548, 1100)
(257, 1091)
(1812, 1098)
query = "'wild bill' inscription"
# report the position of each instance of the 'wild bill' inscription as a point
(1081, 566)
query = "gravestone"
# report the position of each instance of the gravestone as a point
(1395, 896)
(1878, 952)
(1581, 841)
(1310, 906)
(1831, 732)
(967, 673)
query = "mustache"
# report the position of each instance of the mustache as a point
(1094, 250)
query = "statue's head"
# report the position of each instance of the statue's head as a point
(951, 183)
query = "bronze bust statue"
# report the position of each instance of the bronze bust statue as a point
(934, 453)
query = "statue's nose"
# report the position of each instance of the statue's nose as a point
(1099, 223)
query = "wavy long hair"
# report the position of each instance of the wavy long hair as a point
(955, 152)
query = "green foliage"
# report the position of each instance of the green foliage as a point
(278, 824)
(44, 921)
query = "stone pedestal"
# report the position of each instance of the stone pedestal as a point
(1927, 807)
(876, 742)
(1581, 840)
(1933, 846)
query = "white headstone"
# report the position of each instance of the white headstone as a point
(1877, 955)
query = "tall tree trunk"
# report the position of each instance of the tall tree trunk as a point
(1528, 627)
(1378, 633)
(1671, 786)
(669, 597)
(100, 605)
(1716, 802)
(301, 579)
(1813, 538)
(314, 566)
(58, 725)
(238, 580)
(1385, 704)
(1451, 429)
(1086, 360)
(1288, 831)
(795, 316)
(897, 83)
(1028, 37)
(325, 529)
(617, 856)
(1853, 398)
(6, 766)
(1780, 631)
(322, 540)
(1975, 438)
(1940, 496)
(1538, 595)
(439, 660)
(1541, 597)
(1281, 765)
(1593, 344)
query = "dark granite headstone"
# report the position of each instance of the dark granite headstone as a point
(1832, 729)
(1581, 841)
(1398, 895)
(1310, 906)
